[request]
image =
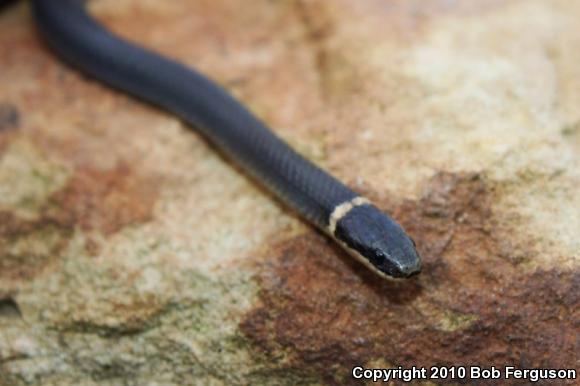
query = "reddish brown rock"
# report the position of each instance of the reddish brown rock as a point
(475, 303)
(131, 253)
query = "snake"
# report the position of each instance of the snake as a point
(368, 234)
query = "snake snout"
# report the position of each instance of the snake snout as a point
(379, 242)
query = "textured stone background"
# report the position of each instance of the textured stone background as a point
(130, 254)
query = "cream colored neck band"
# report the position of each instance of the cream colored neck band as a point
(341, 210)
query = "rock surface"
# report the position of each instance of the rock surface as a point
(131, 254)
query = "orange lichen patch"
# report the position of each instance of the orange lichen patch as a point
(27, 247)
(105, 201)
(473, 303)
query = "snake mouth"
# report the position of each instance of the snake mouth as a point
(384, 267)
(404, 271)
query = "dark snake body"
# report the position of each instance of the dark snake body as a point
(231, 128)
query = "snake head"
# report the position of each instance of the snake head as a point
(376, 240)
